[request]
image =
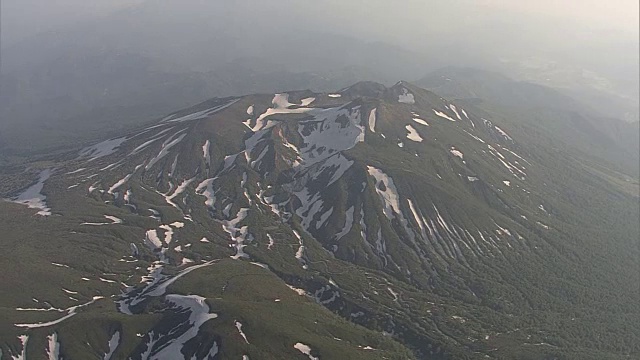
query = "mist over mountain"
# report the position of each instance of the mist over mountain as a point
(113, 64)
(295, 179)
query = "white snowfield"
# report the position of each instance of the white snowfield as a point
(406, 97)
(281, 106)
(420, 121)
(503, 133)
(198, 315)
(372, 120)
(200, 114)
(206, 152)
(122, 181)
(307, 101)
(389, 195)
(113, 345)
(24, 339)
(166, 146)
(413, 134)
(443, 115)
(238, 234)
(326, 131)
(70, 312)
(205, 188)
(457, 153)
(348, 224)
(53, 348)
(238, 325)
(455, 110)
(179, 190)
(102, 149)
(33, 197)
(543, 225)
(305, 349)
(298, 291)
(113, 219)
(156, 284)
(300, 255)
(152, 240)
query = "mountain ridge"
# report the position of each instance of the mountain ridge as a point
(437, 230)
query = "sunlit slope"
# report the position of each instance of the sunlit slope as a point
(371, 222)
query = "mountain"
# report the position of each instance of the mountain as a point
(470, 83)
(94, 92)
(371, 222)
(590, 128)
(137, 64)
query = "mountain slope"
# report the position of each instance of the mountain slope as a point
(411, 226)
(590, 128)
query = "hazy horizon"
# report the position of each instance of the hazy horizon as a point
(122, 60)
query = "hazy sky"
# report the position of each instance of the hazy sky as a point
(57, 48)
(22, 18)
(596, 35)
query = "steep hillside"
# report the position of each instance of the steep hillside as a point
(591, 128)
(372, 222)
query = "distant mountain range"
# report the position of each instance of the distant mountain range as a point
(585, 126)
(112, 73)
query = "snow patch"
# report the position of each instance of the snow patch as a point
(200, 114)
(305, 349)
(102, 149)
(122, 181)
(33, 197)
(53, 348)
(113, 345)
(406, 97)
(443, 115)
(113, 219)
(24, 339)
(70, 312)
(238, 325)
(389, 194)
(166, 146)
(543, 225)
(198, 315)
(298, 291)
(206, 152)
(420, 121)
(300, 253)
(271, 242)
(503, 133)
(457, 153)
(238, 234)
(455, 110)
(413, 134)
(348, 224)
(372, 120)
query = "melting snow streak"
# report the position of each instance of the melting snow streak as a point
(33, 197)
(305, 349)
